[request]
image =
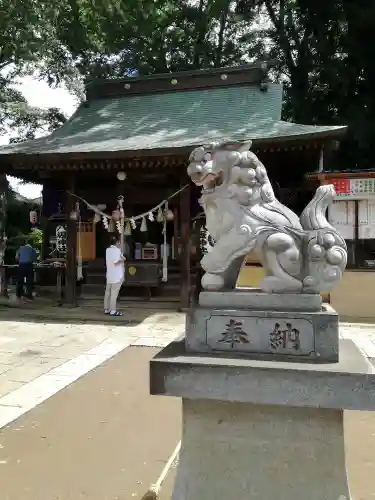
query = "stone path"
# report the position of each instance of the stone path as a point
(362, 334)
(39, 359)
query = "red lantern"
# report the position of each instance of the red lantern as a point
(116, 215)
(33, 217)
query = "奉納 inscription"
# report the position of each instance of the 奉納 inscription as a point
(234, 334)
(261, 335)
(282, 338)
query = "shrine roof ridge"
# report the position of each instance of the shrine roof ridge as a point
(255, 73)
(349, 172)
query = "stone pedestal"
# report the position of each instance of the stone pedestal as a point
(262, 429)
(257, 324)
(240, 451)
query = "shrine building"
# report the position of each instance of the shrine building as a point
(131, 138)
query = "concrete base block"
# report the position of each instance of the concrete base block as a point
(348, 384)
(253, 298)
(263, 430)
(291, 334)
(238, 451)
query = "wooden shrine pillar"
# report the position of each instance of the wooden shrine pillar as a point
(71, 248)
(44, 225)
(185, 270)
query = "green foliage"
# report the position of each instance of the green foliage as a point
(28, 41)
(36, 239)
(17, 226)
(16, 115)
(325, 52)
(118, 37)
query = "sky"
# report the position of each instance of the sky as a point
(40, 94)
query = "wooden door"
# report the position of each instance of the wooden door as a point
(86, 241)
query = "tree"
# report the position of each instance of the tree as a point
(326, 52)
(115, 39)
(28, 42)
(20, 119)
(76, 40)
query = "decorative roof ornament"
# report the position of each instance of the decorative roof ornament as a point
(300, 254)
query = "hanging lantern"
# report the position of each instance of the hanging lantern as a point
(116, 215)
(150, 216)
(60, 239)
(133, 224)
(121, 176)
(33, 217)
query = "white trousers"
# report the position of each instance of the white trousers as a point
(110, 296)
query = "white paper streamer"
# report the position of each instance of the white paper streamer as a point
(144, 225)
(160, 216)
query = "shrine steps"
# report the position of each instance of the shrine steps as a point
(164, 293)
(170, 291)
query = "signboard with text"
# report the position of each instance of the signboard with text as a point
(354, 188)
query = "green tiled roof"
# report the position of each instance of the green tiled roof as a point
(171, 120)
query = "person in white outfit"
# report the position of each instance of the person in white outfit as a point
(115, 277)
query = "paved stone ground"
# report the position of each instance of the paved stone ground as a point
(31, 349)
(28, 349)
(101, 438)
(37, 359)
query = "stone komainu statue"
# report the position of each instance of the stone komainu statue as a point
(303, 254)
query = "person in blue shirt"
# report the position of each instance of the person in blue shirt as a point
(25, 257)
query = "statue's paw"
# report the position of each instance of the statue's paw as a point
(272, 284)
(310, 283)
(336, 256)
(212, 282)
